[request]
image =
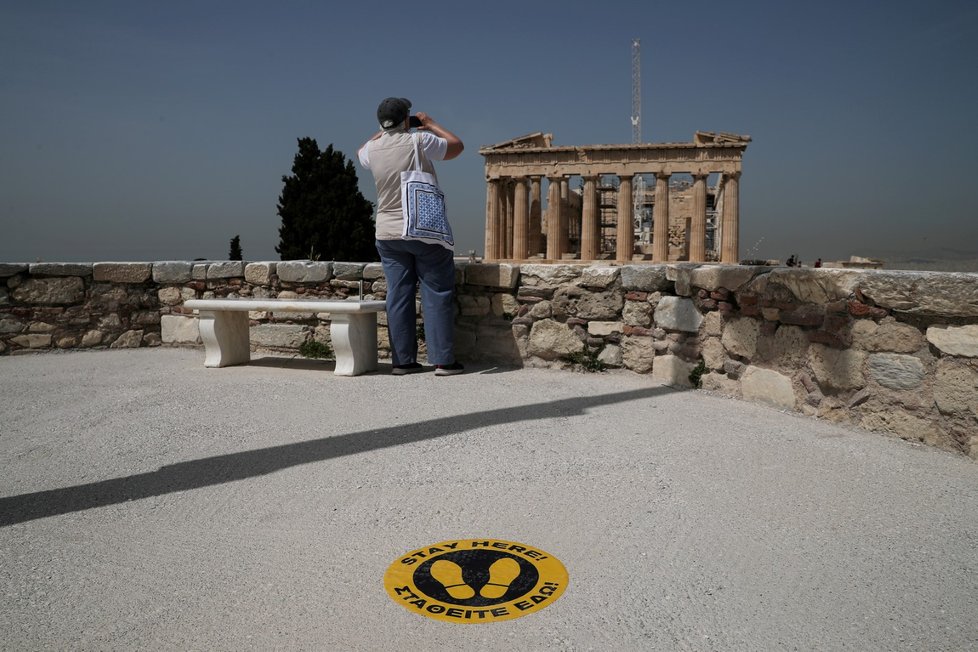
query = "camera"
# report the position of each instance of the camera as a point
(413, 122)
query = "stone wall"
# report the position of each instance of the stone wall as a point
(892, 352)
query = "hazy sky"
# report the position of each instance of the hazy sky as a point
(159, 130)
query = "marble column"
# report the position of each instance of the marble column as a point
(625, 233)
(508, 219)
(697, 231)
(553, 218)
(536, 229)
(590, 225)
(521, 220)
(660, 218)
(492, 220)
(730, 249)
(565, 214)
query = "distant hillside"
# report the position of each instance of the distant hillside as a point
(936, 259)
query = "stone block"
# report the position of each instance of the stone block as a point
(551, 340)
(226, 269)
(599, 277)
(348, 271)
(713, 324)
(199, 271)
(473, 306)
(637, 313)
(504, 305)
(303, 271)
(259, 273)
(713, 353)
(740, 337)
(681, 276)
(714, 277)
(672, 370)
(787, 348)
(373, 271)
(767, 386)
(956, 388)
(41, 327)
(934, 294)
(638, 354)
(55, 290)
(611, 355)
(92, 338)
(9, 269)
(61, 269)
(879, 417)
(122, 272)
(170, 296)
(549, 276)
(541, 310)
(645, 278)
(176, 329)
(896, 371)
(283, 336)
(889, 335)
(129, 340)
(497, 342)
(678, 314)
(34, 341)
(173, 271)
(602, 328)
(721, 384)
(494, 275)
(815, 286)
(835, 369)
(11, 325)
(960, 341)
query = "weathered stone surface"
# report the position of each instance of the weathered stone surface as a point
(11, 325)
(41, 327)
(896, 371)
(286, 336)
(714, 277)
(57, 290)
(818, 286)
(473, 306)
(678, 314)
(637, 313)
(733, 368)
(788, 347)
(889, 335)
(373, 271)
(348, 271)
(549, 276)
(9, 269)
(672, 370)
(955, 340)
(67, 342)
(740, 337)
(260, 273)
(494, 275)
(173, 271)
(34, 341)
(128, 340)
(4, 296)
(61, 269)
(541, 310)
(122, 272)
(713, 353)
(892, 419)
(611, 355)
(646, 278)
(226, 269)
(92, 338)
(303, 271)
(177, 329)
(504, 304)
(573, 301)
(721, 383)
(936, 294)
(837, 370)
(767, 386)
(199, 271)
(551, 340)
(956, 388)
(599, 277)
(170, 296)
(713, 324)
(496, 341)
(602, 328)
(638, 353)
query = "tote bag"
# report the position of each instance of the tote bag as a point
(423, 204)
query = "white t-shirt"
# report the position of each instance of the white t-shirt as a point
(386, 157)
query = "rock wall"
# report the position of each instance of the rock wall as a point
(892, 352)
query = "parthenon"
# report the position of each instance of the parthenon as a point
(612, 216)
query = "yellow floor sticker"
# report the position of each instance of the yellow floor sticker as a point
(475, 580)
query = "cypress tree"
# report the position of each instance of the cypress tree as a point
(324, 214)
(235, 253)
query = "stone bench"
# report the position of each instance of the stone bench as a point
(353, 329)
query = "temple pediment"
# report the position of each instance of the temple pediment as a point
(536, 139)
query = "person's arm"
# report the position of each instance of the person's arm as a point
(455, 145)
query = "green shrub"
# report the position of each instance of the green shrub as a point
(587, 360)
(314, 349)
(696, 375)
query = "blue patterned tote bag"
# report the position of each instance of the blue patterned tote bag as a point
(423, 204)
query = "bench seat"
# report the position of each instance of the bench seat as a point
(353, 329)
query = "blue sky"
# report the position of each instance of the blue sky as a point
(158, 131)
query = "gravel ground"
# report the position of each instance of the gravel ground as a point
(149, 503)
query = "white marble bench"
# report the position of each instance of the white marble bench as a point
(353, 329)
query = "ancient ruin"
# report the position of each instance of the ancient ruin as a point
(613, 215)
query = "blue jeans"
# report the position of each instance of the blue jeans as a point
(405, 263)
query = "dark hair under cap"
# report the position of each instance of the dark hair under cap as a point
(393, 111)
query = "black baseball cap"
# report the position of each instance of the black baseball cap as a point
(393, 111)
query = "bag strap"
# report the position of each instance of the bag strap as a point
(417, 153)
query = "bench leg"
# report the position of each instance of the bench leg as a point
(354, 338)
(225, 337)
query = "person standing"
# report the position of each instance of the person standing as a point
(407, 261)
